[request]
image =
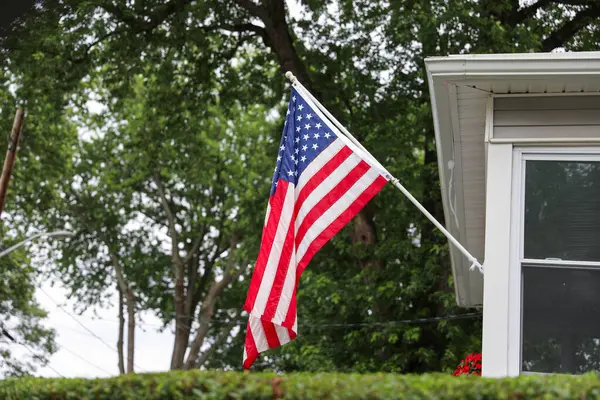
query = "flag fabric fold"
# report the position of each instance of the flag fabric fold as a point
(321, 181)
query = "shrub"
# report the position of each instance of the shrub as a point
(234, 385)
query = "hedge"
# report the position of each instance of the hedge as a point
(234, 385)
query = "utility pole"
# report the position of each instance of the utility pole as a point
(11, 155)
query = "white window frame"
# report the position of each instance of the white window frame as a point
(515, 310)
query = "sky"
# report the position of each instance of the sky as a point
(96, 358)
(83, 354)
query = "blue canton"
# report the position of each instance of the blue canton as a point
(304, 137)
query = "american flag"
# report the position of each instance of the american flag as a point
(320, 183)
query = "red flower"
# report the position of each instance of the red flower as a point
(471, 365)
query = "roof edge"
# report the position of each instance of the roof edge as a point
(439, 100)
(462, 67)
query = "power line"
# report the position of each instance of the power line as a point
(77, 320)
(63, 347)
(310, 326)
(60, 346)
(400, 322)
(39, 358)
(83, 326)
(84, 359)
(416, 321)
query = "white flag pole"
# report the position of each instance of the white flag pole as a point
(296, 84)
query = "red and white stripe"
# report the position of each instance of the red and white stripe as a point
(300, 220)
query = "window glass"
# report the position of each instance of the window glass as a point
(562, 210)
(561, 328)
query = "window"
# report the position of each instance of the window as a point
(559, 262)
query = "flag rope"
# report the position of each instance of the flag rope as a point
(298, 86)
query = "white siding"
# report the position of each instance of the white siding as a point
(472, 128)
(547, 117)
(469, 187)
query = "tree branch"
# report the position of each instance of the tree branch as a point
(521, 15)
(135, 23)
(253, 8)
(249, 27)
(152, 21)
(195, 245)
(171, 221)
(121, 15)
(208, 305)
(563, 34)
(577, 2)
(223, 335)
(525, 13)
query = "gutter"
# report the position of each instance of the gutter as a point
(526, 65)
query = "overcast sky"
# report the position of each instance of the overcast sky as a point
(152, 350)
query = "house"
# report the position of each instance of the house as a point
(518, 141)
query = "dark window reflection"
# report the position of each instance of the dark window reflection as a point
(561, 320)
(562, 210)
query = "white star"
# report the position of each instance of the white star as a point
(308, 116)
(282, 147)
(299, 117)
(300, 107)
(275, 169)
(290, 173)
(293, 158)
(318, 125)
(285, 138)
(303, 158)
(298, 129)
(316, 136)
(275, 184)
(298, 139)
(296, 162)
(288, 112)
(307, 126)
(296, 151)
(294, 98)
(305, 137)
(315, 146)
(304, 148)
(278, 158)
(296, 172)
(327, 135)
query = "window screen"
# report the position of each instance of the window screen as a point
(561, 319)
(562, 210)
(561, 302)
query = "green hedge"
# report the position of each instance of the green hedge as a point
(232, 385)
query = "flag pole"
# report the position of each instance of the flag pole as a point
(474, 263)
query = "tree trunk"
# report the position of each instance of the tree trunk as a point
(129, 297)
(182, 319)
(182, 324)
(208, 305)
(130, 330)
(278, 36)
(121, 333)
(206, 314)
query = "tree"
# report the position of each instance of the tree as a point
(21, 319)
(163, 200)
(364, 60)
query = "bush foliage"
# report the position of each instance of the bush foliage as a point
(234, 385)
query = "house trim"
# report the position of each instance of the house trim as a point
(497, 256)
(517, 256)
